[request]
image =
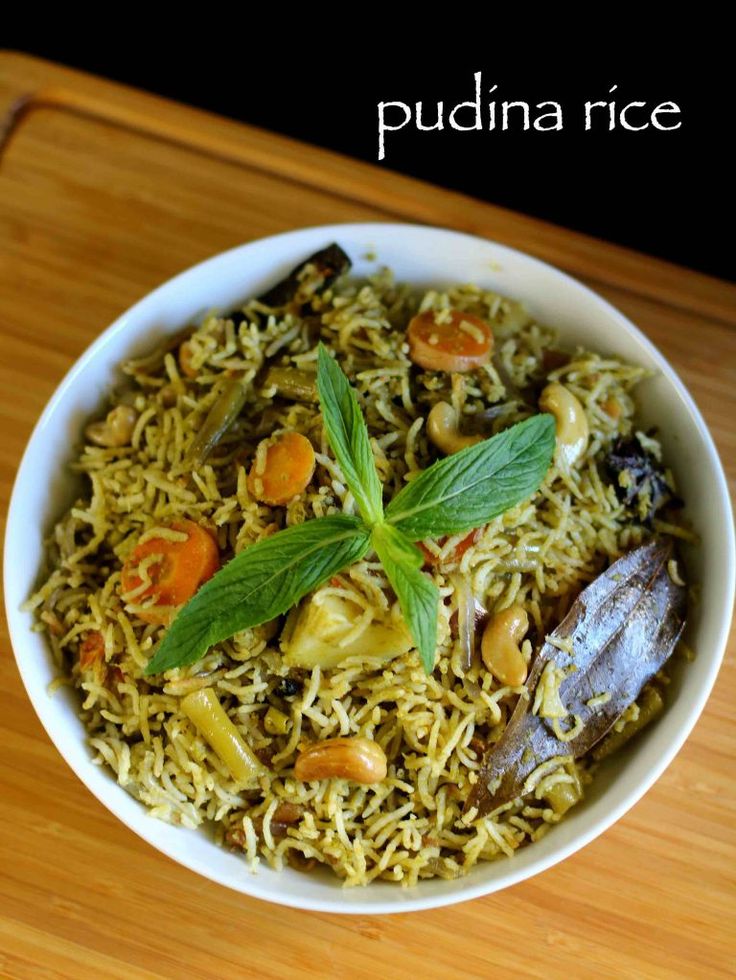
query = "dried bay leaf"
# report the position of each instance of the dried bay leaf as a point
(621, 629)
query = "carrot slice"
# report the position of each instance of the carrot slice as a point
(92, 651)
(466, 543)
(449, 341)
(283, 467)
(431, 559)
(183, 566)
(612, 407)
(185, 360)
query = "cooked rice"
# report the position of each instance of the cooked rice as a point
(540, 555)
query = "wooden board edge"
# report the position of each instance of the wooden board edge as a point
(27, 82)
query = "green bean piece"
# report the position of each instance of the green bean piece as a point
(650, 705)
(221, 416)
(289, 382)
(276, 722)
(206, 713)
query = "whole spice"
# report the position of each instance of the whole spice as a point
(639, 479)
(616, 637)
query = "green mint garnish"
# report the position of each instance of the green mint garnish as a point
(455, 494)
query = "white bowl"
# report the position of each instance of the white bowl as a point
(421, 255)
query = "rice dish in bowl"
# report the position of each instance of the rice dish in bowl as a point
(280, 683)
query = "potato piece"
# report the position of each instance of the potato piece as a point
(325, 620)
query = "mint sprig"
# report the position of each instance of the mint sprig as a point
(470, 488)
(348, 436)
(455, 494)
(262, 582)
(417, 594)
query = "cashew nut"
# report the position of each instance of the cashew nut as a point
(571, 423)
(358, 759)
(115, 430)
(443, 429)
(500, 646)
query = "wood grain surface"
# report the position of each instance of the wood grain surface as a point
(106, 192)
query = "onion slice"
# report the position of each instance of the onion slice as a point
(465, 620)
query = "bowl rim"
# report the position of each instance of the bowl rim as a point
(18, 631)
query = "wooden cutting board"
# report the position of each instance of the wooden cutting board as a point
(106, 192)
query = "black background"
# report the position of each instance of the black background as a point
(665, 193)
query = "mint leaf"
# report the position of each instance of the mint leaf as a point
(455, 494)
(472, 487)
(348, 436)
(418, 595)
(263, 581)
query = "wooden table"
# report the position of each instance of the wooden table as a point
(106, 192)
